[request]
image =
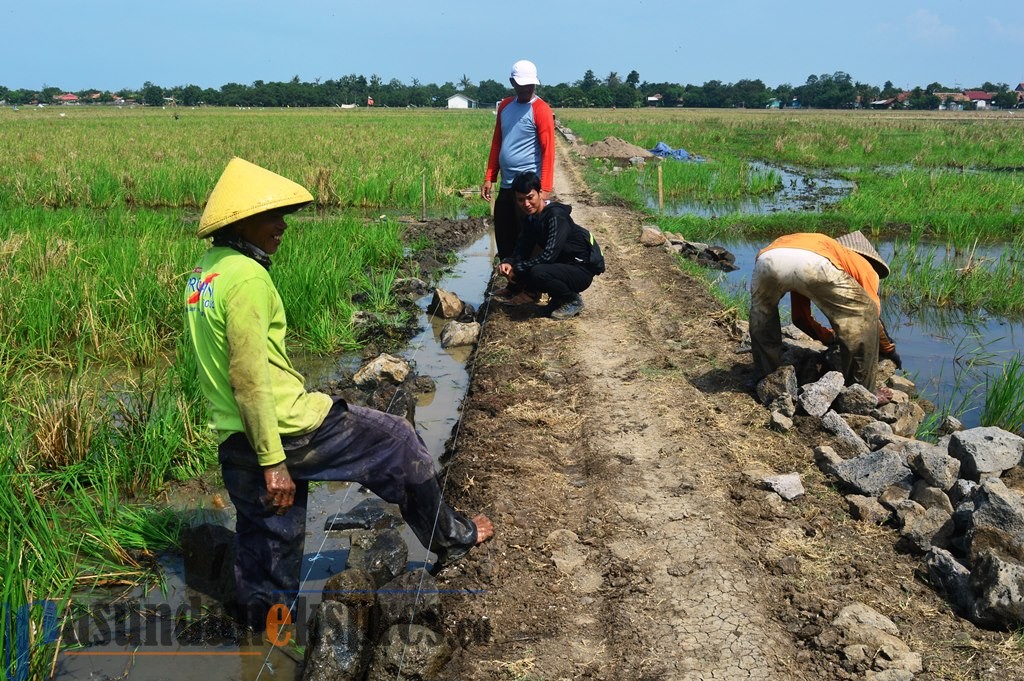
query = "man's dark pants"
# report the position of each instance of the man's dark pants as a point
(375, 449)
(508, 223)
(561, 281)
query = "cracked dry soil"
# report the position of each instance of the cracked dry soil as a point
(609, 450)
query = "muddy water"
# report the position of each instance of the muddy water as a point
(802, 190)
(947, 353)
(142, 645)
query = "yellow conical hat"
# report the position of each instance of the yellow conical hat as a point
(246, 189)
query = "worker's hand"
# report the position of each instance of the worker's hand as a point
(485, 191)
(893, 356)
(505, 269)
(280, 488)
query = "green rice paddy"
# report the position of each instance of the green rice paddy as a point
(100, 408)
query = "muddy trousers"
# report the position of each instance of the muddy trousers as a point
(561, 281)
(853, 315)
(508, 223)
(375, 449)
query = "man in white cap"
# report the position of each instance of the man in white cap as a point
(523, 140)
(841, 277)
(274, 435)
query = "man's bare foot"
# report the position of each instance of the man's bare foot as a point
(484, 528)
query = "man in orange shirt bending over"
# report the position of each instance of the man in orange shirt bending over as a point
(841, 276)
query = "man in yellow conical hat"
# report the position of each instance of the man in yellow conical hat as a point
(274, 435)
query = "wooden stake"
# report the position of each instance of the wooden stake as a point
(661, 193)
(423, 214)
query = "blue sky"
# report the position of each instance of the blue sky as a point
(114, 44)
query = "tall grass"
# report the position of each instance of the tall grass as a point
(141, 157)
(107, 285)
(1004, 397)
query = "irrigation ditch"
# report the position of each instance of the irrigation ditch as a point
(134, 634)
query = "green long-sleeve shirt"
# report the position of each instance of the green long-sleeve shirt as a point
(237, 325)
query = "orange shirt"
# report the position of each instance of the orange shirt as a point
(851, 262)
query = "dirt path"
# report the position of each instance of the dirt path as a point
(610, 451)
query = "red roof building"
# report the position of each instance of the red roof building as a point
(67, 98)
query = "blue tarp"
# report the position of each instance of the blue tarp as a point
(665, 151)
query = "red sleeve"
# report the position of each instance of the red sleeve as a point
(491, 174)
(545, 122)
(885, 344)
(804, 321)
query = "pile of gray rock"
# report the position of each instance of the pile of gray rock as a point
(377, 621)
(948, 500)
(461, 327)
(707, 255)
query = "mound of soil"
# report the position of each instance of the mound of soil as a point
(444, 237)
(613, 147)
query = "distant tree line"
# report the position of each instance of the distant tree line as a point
(826, 91)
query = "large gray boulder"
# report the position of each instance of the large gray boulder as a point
(339, 644)
(779, 384)
(835, 424)
(985, 451)
(998, 586)
(997, 523)
(409, 652)
(871, 473)
(455, 334)
(990, 595)
(816, 398)
(411, 597)
(921, 528)
(856, 399)
(934, 465)
(382, 368)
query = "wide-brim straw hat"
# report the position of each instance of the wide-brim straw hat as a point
(855, 241)
(245, 189)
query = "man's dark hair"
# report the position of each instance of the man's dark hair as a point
(526, 182)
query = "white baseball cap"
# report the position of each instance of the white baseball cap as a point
(524, 72)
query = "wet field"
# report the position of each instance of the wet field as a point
(176, 634)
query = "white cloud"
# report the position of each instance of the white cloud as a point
(1010, 33)
(924, 26)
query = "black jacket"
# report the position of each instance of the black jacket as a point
(551, 237)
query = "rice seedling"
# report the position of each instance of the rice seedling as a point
(1004, 397)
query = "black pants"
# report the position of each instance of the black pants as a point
(378, 450)
(508, 223)
(559, 280)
